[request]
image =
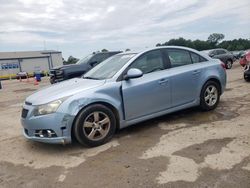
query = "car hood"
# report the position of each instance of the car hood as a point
(71, 66)
(62, 89)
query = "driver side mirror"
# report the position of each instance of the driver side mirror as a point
(133, 73)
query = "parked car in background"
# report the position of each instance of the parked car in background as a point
(123, 90)
(245, 62)
(238, 54)
(66, 72)
(245, 58)
(222, 54)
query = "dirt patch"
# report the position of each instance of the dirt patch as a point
(198, 152)
(8, 103)
(210, 178)
(24, 90)
(26, 177)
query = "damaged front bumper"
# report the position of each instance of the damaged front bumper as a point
(52, 128)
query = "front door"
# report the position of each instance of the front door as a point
(151, 92)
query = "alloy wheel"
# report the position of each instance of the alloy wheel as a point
(211, 95)
(96, 126)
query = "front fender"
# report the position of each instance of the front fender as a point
(109, 94)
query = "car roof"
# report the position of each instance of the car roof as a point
(107, 52)
(161, 47)
(165, 47)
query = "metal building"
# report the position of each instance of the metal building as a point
(12, 63)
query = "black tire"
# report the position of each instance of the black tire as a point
(247, 79)
(80, 131)
(204, 101)
(52, 80)
(229, 64)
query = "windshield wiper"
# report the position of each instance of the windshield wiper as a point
(91, 78)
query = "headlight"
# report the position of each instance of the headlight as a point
(48, 108)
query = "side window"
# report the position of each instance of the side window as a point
(149, 62)
(197, 58)
(224, 51)
(221, 52)
(179, 57)
(214, 52)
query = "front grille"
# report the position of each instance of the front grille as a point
(52, 72)
(24, 113)
(57, 74)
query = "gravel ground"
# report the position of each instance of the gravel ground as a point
(184, 149)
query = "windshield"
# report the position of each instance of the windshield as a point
(85, 59)
(108, 68)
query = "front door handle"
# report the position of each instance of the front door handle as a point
(163, 81)
(196, 72)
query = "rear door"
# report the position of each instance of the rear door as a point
(185, 75)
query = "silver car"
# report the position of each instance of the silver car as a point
(123, 90)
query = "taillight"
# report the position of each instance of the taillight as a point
(223, 65)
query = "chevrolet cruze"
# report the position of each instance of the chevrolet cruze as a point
(123, 90)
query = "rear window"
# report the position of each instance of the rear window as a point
(197, 58)
(179, 57)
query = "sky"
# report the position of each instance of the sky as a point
(80, 27)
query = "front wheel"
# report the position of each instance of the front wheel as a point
(210, 96)
(95, 125)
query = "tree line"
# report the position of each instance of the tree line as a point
(212, 42)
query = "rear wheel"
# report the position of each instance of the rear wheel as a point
(229, 64)
(95, 125)
(210, 96)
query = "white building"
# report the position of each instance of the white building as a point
(12, 63)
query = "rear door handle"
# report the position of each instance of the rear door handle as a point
(163, 81)
(196, 72)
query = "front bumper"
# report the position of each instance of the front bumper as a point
(59, 123)
(57, 140)
(54, 80)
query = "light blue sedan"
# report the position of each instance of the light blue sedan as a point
(123, 90)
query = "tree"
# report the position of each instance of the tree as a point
(201, 45)
(127, 50)
(71, 60)
(215, 38)
(104, 50)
